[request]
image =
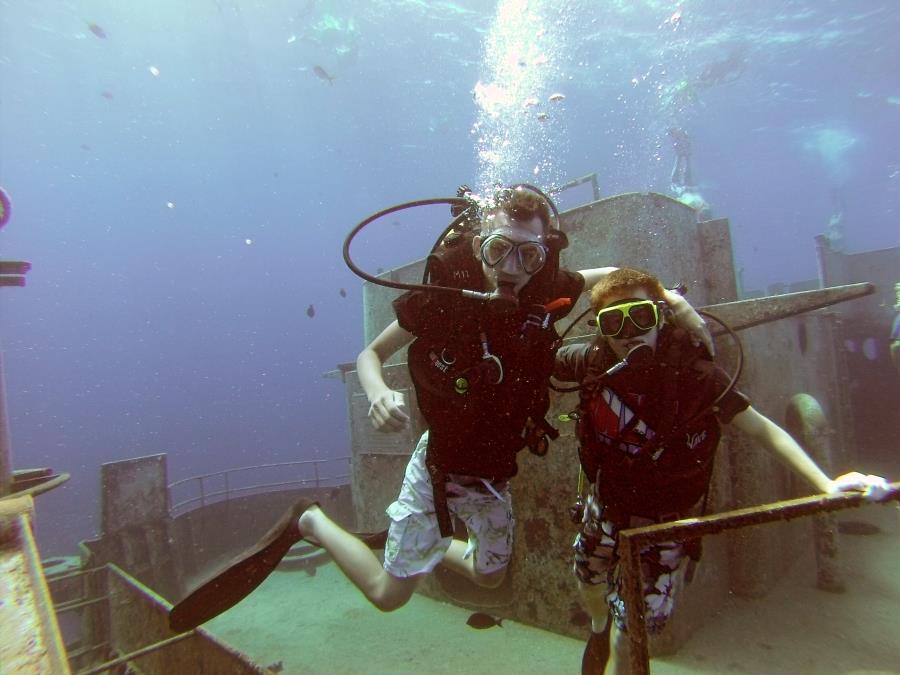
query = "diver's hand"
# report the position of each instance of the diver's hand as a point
(687, 318)
(874, 488)
(387, 411)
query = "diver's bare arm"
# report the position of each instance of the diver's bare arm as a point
(387, 411)
(776, 439)
(688, 319)
(782, 445)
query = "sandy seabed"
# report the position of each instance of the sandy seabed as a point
(321, 625)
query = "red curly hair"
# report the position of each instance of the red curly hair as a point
(622, 279)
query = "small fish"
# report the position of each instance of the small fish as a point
(542, 116)
(322, 74)
(97, 30)
(343, 293)
(555, 98)
(108, 95)
(85, 147)
(310, 311)
(480, 620)
(276, 667)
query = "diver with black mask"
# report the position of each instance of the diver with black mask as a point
(480, 360)
(482, 343)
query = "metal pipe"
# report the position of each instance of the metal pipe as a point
(691, 528)
(68, 575)
(78, 604)
(5, 446)
(633, 597)
(81, 651)
(248, 488)
(806, 422)
(258, 466)
(229, 491)
(156, 646)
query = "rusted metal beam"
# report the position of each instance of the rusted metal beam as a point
(14, 267)
(12, 272)
(633, 597)
(633, 540)
(748, 313)
(12, 280)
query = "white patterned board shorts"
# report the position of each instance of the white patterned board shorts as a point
(597, 562)
(414, 544)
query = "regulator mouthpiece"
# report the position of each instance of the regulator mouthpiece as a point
(504, 298)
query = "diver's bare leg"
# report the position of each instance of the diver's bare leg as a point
(455, 561)
(688, 175)
(358, 563)
(599, 645)
(620, 648)
(594, 598)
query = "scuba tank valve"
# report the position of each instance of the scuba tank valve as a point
(638, 354)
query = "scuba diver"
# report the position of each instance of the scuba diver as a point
(724, 71)
(834, 232)
(482, 344)
(682, 180)
(684, 95)
(649, 420)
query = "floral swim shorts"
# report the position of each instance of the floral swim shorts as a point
(597, 562)
(415, 545)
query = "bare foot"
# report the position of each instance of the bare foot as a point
(306, 523)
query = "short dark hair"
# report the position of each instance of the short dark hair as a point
(523, 204)
(625, 278)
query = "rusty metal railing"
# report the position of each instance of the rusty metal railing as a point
(589, 178)
(632, 541)
(314, 478)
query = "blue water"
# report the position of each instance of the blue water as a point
(182, 187)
